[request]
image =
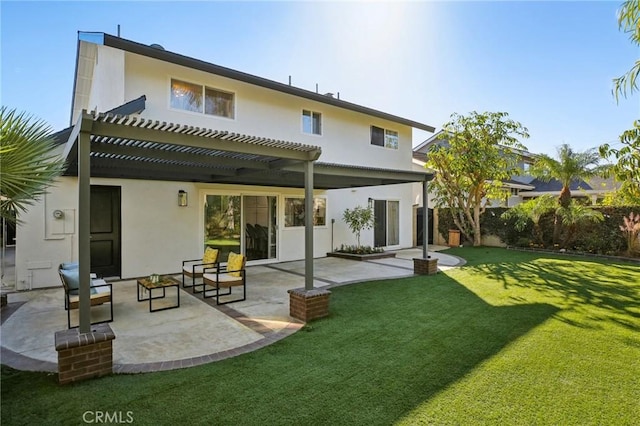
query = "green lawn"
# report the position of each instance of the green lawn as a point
(510, 338)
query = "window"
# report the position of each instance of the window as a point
(384, 137)
(197, 98)
(294, 212)
(311, 122)
(218, 103)
(514, 192)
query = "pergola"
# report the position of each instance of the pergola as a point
(130, 147)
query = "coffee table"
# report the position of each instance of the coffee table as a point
(145, 284)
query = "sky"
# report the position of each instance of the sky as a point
(549, 65)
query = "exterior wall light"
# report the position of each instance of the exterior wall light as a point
(182, 198)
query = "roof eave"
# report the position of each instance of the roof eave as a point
(171, 57)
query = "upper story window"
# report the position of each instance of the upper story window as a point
(198, 98)
(515, 192)
(384, 137)
(526, 167)
(311, 122)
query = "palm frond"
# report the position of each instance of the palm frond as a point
(28, 164)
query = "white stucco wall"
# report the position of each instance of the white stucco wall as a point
(341, 199)
(267, 113)
(109, 72)
(156, 234)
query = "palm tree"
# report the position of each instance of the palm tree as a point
(531, 210)
(570, 166)
(574, 216)
(28, 162)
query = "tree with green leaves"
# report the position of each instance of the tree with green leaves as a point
(629, 23)
(358, 219)
(532, 210)
(478, 152)
(28, 162)
(569, 167)
(627, 167)
(573, 216)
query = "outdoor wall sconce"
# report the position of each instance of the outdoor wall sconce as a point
(182, 198)
(370, 202)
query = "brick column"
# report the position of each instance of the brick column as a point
(307, 305)
(425, 266)
(84, 356)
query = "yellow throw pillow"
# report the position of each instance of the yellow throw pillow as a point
(210, 255)
(235, 264)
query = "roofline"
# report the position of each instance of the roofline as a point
(175, 58)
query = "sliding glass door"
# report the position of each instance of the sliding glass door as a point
(260, 220)
(242, 224)
(222, 224)
(386, 228)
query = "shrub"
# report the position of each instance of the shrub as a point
(599, 238)
(359, 249)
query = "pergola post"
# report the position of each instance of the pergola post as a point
(425, 265)
(308, 303)
(308, 225)
(95, 345)
(84, 229)
(425, 221)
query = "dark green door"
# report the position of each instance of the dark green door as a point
(380, 223)
(105, 231)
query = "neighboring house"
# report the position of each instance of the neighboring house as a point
(186, 153)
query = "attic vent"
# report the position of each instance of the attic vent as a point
(157, 46)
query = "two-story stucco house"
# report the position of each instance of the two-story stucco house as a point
(185, 153)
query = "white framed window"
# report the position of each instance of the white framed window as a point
(194, 97)
(384, 137)
(294, 212)
(311, 122)
(515, 192)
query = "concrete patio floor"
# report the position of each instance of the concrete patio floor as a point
(198, 331)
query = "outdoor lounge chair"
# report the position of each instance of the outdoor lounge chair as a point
(100, 291)
(195, 267)
(227, 277)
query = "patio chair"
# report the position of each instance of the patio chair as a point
(100, 291)
(194, 268)
(226, 277)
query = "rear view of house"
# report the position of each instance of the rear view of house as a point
(187, 154)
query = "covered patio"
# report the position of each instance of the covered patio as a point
(196, 333)
(129, 147)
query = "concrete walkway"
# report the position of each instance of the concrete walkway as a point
(198, 332)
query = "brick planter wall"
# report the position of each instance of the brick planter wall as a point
(84, 356)
(307, 305)
(425, 266)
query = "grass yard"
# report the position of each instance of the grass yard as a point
(511, 338)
